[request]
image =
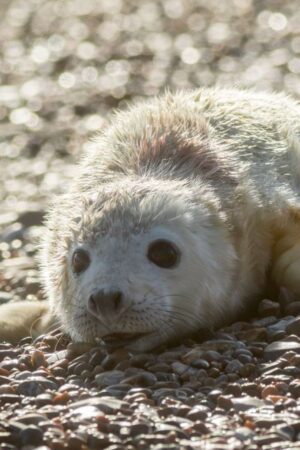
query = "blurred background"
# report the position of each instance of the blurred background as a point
(65, 64)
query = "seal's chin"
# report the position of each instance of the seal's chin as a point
(114, 340)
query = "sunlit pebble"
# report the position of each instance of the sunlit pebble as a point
(81, 8)
(35, 104)
(277, 21)
(157, 77)
(11, 151)
(18, 15)
(78, 31)
(111, 6)
(179, 78)
(227, 64)
(23, 116)
(149, 12)
(8, 94)
(3, 112)
(196, 22)
(205, 77)
(20, 116)
(295, 44)
(39, 54)
(260, 70)
(93, 122)
(86, 50)
(159, 42)
(65, 114)
(108, 30)
(218, 33)
(67, 80)
(119, 79)
(182, 41)
(292, 83)
(16, 244)
(4, 246)
(133, 48)
(243, 6)
(117, 66)
(56, 43)
(190, 55)
(39, 167)
(280, 56)
(13, 49)
(89, 74)
(30, 89)
(173, 8)
(294, 65)
(20, 140)
(131, 22)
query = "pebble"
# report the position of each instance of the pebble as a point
(294, 327)
(35, 386)
(5, 297)
(31, 435)
(278, 348)
(106, 405)
(246, 403)
(292, 309)
(268, 308)
(109, 377)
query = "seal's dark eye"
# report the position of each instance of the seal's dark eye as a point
(80, 260)
(163, 253)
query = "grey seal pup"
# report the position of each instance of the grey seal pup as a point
(185, 209)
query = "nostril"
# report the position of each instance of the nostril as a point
(105, 303)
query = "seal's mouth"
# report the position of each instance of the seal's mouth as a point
(121, 339)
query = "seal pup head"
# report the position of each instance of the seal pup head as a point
(142, 262)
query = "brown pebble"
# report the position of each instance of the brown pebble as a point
(38, 359)
(269, 390)
(277, 398)
(61, 398)
(112, 359)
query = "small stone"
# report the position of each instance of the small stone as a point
(294, 388)
(35, 386)
(253, 334)
(294, 327)
(233, 366)
(141, 379)
(278, 348)
(197, 413)
(38, 359)
(31, 435)
(244, 433)
(106, 405)
(30, 218)
(269, 390)
(245, 403)
(5, 297)
(268, 308)
(109, 377)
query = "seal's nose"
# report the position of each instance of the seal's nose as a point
(105, 303)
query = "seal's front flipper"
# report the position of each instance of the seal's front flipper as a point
(24, 318)
(286, 265)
